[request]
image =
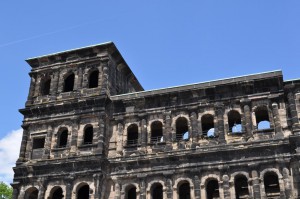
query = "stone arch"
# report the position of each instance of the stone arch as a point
(88, 134)
(131, 134)
(128, 193)
(51, 187)
(156, 131)
(269, 191)
(83, 189)
(56, 193)
(62, 137)
(178, 133)
(234, 119)
(261, 114)
(156, 190)
(208, 124)
(68, 81)
(93, 78)
(31, 193)
(45, 85)
(177, 184)
(204, 182)
(241, 186)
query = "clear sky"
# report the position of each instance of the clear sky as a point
(166, 43)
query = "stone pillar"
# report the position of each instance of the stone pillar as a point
(42, 189)
(23, 144)
(169, 189)
(37, 86)
(143, 189)
(31, 88)
(47, 146)
(220, 122)
(255, 185)
(105, 83)
(28, 149)
(293, 112)
(120, 139)
(54, 83)
(278, 129)
(117, 191)
(144, 133)
(79, 79)
(73, 144)
(287, 183)
(69, 188)
(101, 135)
(194, 127)
(96, 178)
(197, 187)
(226, 187)
(247, 115)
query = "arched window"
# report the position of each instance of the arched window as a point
(207, 122)
(57, 193)
(234, 122)
(63, 138)
(132, 135)
(93, 79)
(88, 135)
(31, 193)
(271, 185)
(131, 193)
(241, 187)
(262, 118)
(83, 192)
(157, 191)
(182, 129)
(184, 191)
(45, 86)
(156, 132)
(69, 83)
(212, 189)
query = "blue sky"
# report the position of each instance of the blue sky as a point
(166, 43)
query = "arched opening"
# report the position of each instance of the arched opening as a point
(88, 135)
(182, 129)
(93, 79)
(31, 193)
(63, 138)
(45, 86)
(212, 189)
(57, 193)
(157, 191)
(69, 83)
(241, 187)
(156, 132)
(234, 122)
(131, 193)
(271, 183)
(132, 135)
(83, 192)
(262, 118)
(184, 191)
(207, 122)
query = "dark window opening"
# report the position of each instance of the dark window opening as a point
(38, 143)
(63, 139)
(88, 135)
(212, 189)
(241, 187)
(45, 87)
(157, 191)
(84, 192)
(262, 118)
(208, 129)
(182, 129)
(184, 191)
(156, 132)
(132, 134)
(93, 79)
(58, 194)
(271, 185)
(131, 193)
(69, 83)
(234, 122)
(32, 193)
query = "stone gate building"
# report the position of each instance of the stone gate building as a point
(91, 131)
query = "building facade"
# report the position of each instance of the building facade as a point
(91, 131)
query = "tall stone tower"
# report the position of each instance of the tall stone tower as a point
(91, 131)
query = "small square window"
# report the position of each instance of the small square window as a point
(38, 143)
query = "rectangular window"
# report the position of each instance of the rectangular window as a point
(38, 143)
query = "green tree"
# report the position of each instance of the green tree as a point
(5, 191)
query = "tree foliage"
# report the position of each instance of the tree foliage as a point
(5, 191)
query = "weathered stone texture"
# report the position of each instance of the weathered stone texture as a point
(90, 131)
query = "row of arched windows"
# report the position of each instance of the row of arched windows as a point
(207, 124)
(68, 84)
(241, 187)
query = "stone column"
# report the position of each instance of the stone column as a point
(256, 185)
(73, 144)
(194, 125)
(120, 139)
(169, 189)
(101, 135)
(42, 189)
(54, 83)
(47, 146)
(143, 133)
(143, 189)
(28, 149)
(220, 122)
(226, 187)
(197, 187)
(117, 191)
(23, 144)
(79, 79)
(69, 190)
(278, 129)
(37, 86)
(287, 183)
(105, 83)
(31, 88)
(293, 112)
(96, 178)
(247, 115)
